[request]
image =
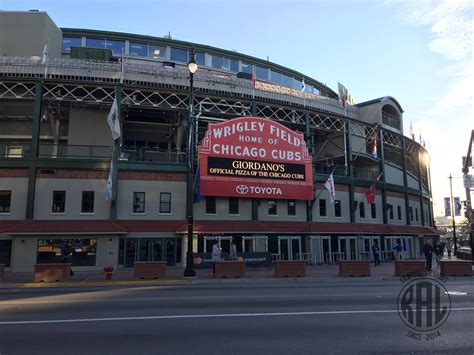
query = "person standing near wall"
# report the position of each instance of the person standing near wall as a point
(428, 251)
(216, 256)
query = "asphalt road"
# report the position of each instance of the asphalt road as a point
(230, 317)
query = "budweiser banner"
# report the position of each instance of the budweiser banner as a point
(255, 157)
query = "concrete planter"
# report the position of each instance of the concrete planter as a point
(410, 268)
(456, 268)
(226, 269)
(149, 269)
(52, 272)
(354, 268)
(2, 272)
(290, 268)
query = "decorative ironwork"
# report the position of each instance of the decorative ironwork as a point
(17, 90)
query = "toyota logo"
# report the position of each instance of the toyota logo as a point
(242, 189)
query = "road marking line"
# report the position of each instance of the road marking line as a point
(224, 315)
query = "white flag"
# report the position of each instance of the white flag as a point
(45, 54)
(113, 121)
(329, 185)
(108, 194)
(303, 86)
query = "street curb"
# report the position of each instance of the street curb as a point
(95, 283)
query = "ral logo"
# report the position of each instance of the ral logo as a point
(242, 189)
(424, 304)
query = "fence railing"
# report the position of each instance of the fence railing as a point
(142, 155)
(154, 73)
(65, 151)
(325, 168)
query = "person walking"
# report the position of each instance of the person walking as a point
(232, 252)
(376, 252)
(428, 251)
(216, 256)
(439, 251)
(448, 248)
(398, 251)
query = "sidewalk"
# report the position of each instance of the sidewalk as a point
(174, 275)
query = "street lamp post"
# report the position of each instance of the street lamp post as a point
(455, 240)
(190, 271)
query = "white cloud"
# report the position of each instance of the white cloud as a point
(447, 120)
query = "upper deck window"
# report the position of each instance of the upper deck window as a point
(261, 73)
(95, 42)
(286, 81)
(247, 68)
(179, 55)
(69, 42)
(157, 52)
(138, 49)
(275, 77)
(117, 47)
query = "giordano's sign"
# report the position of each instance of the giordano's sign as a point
(255, 157)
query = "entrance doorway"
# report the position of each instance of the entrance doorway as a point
(149, 249)
(348, 246)
(224, 242)
(289, 248)
(321, 252)
(365, 251)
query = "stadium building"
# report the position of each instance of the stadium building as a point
(267, 140)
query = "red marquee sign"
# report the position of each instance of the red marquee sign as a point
(255, 157)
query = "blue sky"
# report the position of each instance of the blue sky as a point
(420, 52)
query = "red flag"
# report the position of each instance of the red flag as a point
(370, 195)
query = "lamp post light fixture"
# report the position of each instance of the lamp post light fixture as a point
(190, 270)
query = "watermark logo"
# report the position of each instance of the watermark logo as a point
(424, 305)
(242, 189)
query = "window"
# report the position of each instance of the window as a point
(95, 43)
(59, 201)
(87, 202)
(322, 208)
(272, 207)
(157, 52)
(373, 210)
(247, 68)
(297, 85)
(361, 209)
(233, 205)
(286, 80)
(138, 202)
(117, 47)
(200, 57)
(210, 204)
(390, 211)
(179, 55)
(291, 208)
(337, 208)
(78, 252)
(217, 62)
(399, 212)
(410, 213)
(5, 201)
(69, 42)
(138, 49)
(5, 252)
(416, 214)
(234, 65)
(261, 73)
(165, 202)
(275, 77)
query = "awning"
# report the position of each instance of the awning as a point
(52, 227)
